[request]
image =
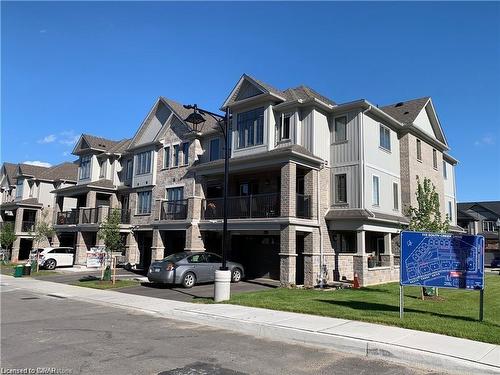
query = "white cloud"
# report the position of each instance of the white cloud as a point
(48, 139)
(68, 138)
(487, 140)
(43, 31)
(37, 163)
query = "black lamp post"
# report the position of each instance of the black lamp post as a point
(196, 120)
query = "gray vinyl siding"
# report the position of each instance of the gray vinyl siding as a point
(155, 124)
(306, 129)
(352, 182)
(346, 151)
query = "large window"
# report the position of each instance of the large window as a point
(176, 155)
(143, 163)
(340, 129)
(85, 167)
(445, 171)
(385, 138)
(144, 202)
(130, 165)
(376, 191)
(251, 128)
(175, 194)
(166, 157)
(395, 194)
(419, 149)
(185, 152)
(102, 173)
(215, 149)
(489, 226)
(340, 188)
(344, 242)
(434, 159)
(284, 127)
(19, 187)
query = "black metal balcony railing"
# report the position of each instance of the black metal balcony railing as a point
(124, 215)
(243, 207)
(304, 206)
(174, 210)
(90, 215)
(27, 226)
(67, 217)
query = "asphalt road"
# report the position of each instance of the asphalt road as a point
(170, 292)
(82, 338)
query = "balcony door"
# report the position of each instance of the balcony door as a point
(175, 194)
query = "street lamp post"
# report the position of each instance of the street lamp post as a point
(222, 290)
(498, 228)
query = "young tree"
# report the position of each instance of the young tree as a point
(7, 235)
(109, 232)
(43, 230)
(427, 216)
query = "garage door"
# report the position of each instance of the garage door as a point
(258, 254)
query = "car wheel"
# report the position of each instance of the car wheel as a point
(188, 280)
(236, 275)
(50, 264)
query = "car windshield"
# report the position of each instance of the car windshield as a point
(37, 250)
(175, 257)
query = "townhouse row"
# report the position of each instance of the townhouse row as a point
(317, 190)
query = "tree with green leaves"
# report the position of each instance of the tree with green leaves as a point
(109, 232)
(43, 231)
(7, 235)
(427, 216)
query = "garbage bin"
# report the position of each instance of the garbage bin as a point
(18, 271)
(27, 270)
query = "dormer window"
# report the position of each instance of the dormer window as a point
(19, 187)
(103, 165)
(284, 127)
(250, 126)
(85, 167)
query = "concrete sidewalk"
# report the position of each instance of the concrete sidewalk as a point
(400, 345)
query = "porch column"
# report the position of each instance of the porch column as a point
(194, 208)
(132, 254)
(194, 240)
(80, 249)
(360, 259)
(18, 224)
(91, 199)
(312, 258)
(288, 190)
(310, 189)
(14, 255)
(55, 240)
(288, 255)
(158, 248)
(388, 256)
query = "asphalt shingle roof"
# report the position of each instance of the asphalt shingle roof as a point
(99, 143)
(406, 112)
(65, 171)
(306, 93)
(10, 172)
(493, 206)
(31, 170)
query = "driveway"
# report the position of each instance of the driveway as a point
(175, 293)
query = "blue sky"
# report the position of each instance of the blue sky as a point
(98, 67)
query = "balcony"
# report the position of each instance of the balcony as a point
(304, 206)
(90, 216)
(243, 207)
(174, 210)
(27, 226)
(67, 217)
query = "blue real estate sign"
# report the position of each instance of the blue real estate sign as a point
(442, 260)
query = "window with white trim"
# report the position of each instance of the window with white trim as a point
(250, 127)
(85, 167)
(341, 188)
(130, 166)
(143, 163)
(103, 167)
(166, 157)
(340, 129)
(144, 202)
(284, 127)
(489, 226)
(376, 191)
(385, 138)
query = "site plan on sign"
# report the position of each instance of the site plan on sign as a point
(442, 260)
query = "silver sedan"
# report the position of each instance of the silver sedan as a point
(188, 268)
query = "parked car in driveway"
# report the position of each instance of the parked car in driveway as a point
(52, 257)
(188, 268)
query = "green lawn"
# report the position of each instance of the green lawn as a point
(8, 269)
(98, 284)
(454, 313)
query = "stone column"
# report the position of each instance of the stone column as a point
(157, 248)
(91, 199)
(288, 255)
(312, 258)
(194, 208)
(80, 249)
(132, 254)
(14, 255)
(388, 256)
(18, 224)
(194, 240)
(310, 188)
(360, 259)
(288, 189)
(55, 240)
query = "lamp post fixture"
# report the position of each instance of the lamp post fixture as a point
(196, 119)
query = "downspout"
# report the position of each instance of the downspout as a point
(318, 220)
(362, 159)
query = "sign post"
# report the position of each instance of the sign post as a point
(442, 261)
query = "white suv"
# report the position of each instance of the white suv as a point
(52, 257)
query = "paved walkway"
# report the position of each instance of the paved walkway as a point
(382, 342)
